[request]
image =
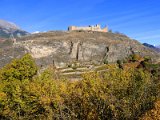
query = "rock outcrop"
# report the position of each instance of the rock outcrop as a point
(64, 48)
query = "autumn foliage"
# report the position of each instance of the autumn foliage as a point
(115, 95)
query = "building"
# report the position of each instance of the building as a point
(89, 28)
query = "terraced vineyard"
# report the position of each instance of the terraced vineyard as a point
(73, 73)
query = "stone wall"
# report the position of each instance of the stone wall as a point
(88, 28)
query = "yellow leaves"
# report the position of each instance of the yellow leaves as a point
(63, 87)
(19, 69)
(91, 76)
(3, 96)
(58, 99)
(45, 100)
(153, 114)
(114, 94)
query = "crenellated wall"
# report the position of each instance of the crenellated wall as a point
(88, 28)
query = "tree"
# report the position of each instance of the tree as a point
(19, 69)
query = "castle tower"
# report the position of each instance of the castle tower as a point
(71, 28)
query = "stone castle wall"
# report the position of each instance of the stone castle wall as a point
(89, 28)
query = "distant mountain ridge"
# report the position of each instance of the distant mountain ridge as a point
(8, 25)
(8, 29)
(156, 48)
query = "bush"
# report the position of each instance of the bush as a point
(117, 94)
(134, 58)
(153, 114)
(119, 62)
(105, 61)
(19, 69)
(110, 30)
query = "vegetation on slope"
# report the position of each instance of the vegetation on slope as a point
(120, 93)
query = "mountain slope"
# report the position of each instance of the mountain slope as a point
(8, 25)
(65, 48)
(8, 29)
(158, 46)
(152, 47)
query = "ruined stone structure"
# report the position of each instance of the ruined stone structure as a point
(89, 28)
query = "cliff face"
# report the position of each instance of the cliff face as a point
(64, 48)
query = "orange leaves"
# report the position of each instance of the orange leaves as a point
(153, 114)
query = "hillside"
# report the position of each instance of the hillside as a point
(65, 48)
(78, 83)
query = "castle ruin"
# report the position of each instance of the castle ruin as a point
(89, 28)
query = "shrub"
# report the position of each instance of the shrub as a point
(153, 114)
(105, 61)
(119, 62)
(19, 69)
(117, 94)
(110, 30)
(135, 58)
(131, 92)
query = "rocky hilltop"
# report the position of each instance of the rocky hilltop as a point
(65, 48)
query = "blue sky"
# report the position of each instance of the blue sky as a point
(139, 19)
